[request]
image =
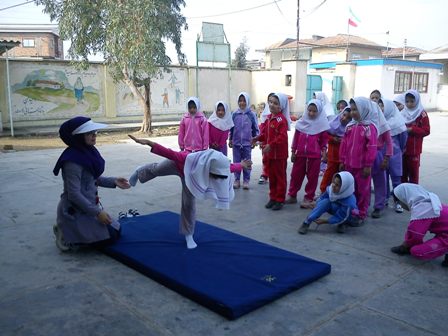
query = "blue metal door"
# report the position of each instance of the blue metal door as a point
(337, 90)
(313, 84)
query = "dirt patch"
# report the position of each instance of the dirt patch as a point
(26, 143)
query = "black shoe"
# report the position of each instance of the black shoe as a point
(400, 250)
(376, 213)
(277, 206)
(356, 222)
(304, 228)
(270, 204)
(445, 262)
(341, 228)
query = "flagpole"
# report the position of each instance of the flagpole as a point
(348, 40)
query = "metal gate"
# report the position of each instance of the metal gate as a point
(337, 90)
(313, 84)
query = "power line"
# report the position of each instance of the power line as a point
(234, 12)
(20, 4)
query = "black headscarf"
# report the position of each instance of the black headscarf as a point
(77, 150)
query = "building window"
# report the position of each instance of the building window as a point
(288, 80)
(28, 43)
(421, 81)
(403, 81)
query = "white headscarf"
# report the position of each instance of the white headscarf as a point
(313, 126)
(247, 98)
(379, 119)
(196, 101)
(393, 117)
(347, 187)
(225, 123)
(410, 115)
(198, 167)
(366, 112)
(399, 98)
(422, 203)
(266, 112)
(284, 105)
(326, 104)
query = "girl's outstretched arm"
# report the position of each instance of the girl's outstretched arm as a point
(142, 141)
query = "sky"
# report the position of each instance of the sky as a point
(265, 22)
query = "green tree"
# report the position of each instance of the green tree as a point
(240, 55)
(131, 35)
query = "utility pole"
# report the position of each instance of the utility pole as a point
(298, 29)
(404, 48)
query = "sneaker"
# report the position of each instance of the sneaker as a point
(270, 204)
(291, 200)
(356, 222)
(341, 228)
(60, 242)
(236, 184)
(262, 180)
(400, 250)
(305, 204)
(376, 213)
(246, 185)
(304, 228)
(398, 208)
(277, 206)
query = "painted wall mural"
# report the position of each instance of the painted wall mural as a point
(168, 94)
(49, 91)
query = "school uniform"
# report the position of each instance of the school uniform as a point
(418, 121)
(428, 214)
(275, 134)
(358, 151)
(245, 128)
(219, 128)
(193, 130)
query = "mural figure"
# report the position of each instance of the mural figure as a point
(165, 98)
(79, 90)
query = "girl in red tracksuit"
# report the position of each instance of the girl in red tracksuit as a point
(417, 123)
(309, 143)
(274, 135)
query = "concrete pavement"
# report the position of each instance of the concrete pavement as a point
(370, 291)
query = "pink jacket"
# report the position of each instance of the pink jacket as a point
(386, 139)
(309, 146)
(418, 228)
(217, 136)
(193, 132)
(359, 146)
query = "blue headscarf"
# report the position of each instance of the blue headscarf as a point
(77, 150)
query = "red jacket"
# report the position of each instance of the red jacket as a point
(275, 133)
(420, 128)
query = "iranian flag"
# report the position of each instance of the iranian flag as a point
(353, 19)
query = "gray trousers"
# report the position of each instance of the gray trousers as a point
(188, 209)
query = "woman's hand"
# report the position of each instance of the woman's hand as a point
(142, 141)
(122, 183)
(104, 218)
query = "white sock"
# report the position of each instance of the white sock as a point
(134, 177)
(191, 244)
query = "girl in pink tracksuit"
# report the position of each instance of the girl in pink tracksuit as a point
(193, 128)
(359, 149)
(220, 123)
(427, 214)
(310, 141)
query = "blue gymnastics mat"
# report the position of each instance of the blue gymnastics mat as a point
(227, 273)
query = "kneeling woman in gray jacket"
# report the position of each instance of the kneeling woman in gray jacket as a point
(80, 216)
